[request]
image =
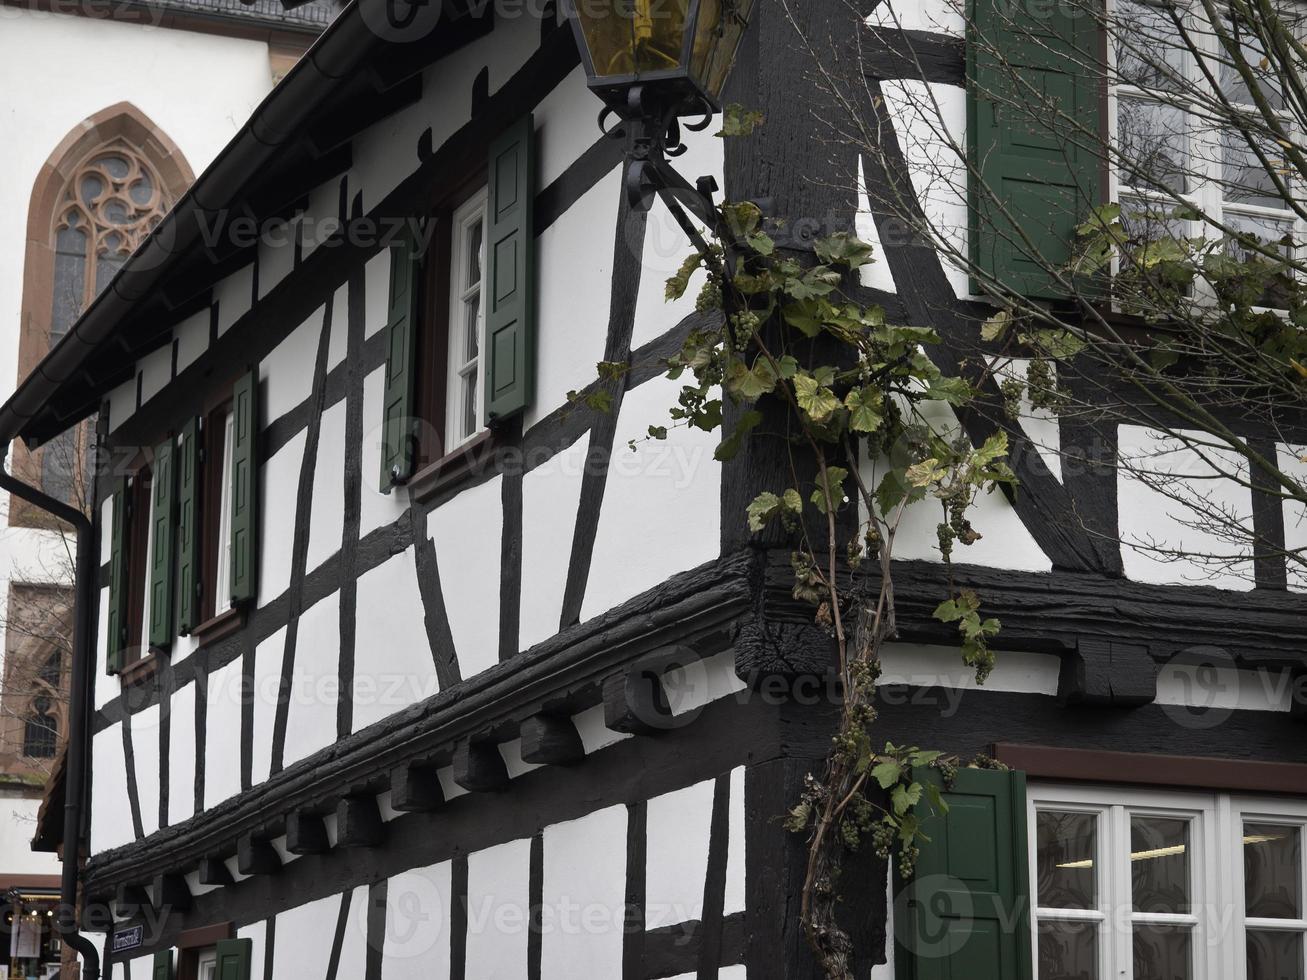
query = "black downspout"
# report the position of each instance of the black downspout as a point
(79, 705)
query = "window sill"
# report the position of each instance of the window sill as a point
(224, 624)
(467, 459)
(140, 671)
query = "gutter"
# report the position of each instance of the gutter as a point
(79, 708)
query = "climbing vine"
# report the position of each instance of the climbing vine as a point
(870, 429)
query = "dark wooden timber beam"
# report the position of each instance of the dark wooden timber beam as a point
(306, 833)
(358, 822)
(171, 892)
(551, 740)
(479, 768)
(256, 857)
(415, 788)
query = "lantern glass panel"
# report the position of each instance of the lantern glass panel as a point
(720, 27)
(630, 37)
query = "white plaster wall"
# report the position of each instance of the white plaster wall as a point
(145, 751)
(1293, 460)
(393, 667)
(192, 337)
(1039, 424)
(917, 665)
(565, 124)
(257, 934)
(551, 494)
(268, 657)
(17, 828)
(574, 298)
(155, 370)
(311, 717)
(111, 822)
(937, 16)
(498, 903)
(327, 518)
(181, 755)
(735, 846)
(279, 501)
(1153, 469)
(222, 735)
(676, 862)
(467, 531)
(234, 296)
(286, 374)
(418, 905)
(585, 893)
(303, 944)
(662, 506)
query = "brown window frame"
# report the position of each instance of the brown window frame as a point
(431, 378)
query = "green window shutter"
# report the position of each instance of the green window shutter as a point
(397, 422)
(117, 638)
(163, 519)
(509, 280)
(245, 488)
(1036, 172)
(188, 513)
(967, 905)
(163, 965)
(234, 959)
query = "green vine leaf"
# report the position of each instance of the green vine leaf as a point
(813, 397)
(864, 405)
(739, 121)
(830, 486)
(679, 282)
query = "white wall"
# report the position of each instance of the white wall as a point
(17, 828)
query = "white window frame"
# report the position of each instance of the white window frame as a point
(465, 366)
(1216, 868)
(1204, 155)
(207, 958)
(222, 568)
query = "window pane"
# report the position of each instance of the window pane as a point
(1274, 955)
(1159, 864)
(1272, 871)
(1068, 951)
(1153, 145)
(1162, 953)
(1245, 179)
(1065, 849)
(1149, 50)
(474, 254)
(471, 339)
(1252, 60)
(470, 403)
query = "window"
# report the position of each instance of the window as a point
(1169, 149)
(215, 511)
(465, 404)
(101, 191)
(41, 730)
(1166, 886)
(207, 965)
(460, 323)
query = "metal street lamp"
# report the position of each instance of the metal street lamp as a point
(653, 61)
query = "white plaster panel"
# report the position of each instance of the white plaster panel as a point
(595, 735)
(551, 494)
(106, 522)
(736, 972)
(565, 125)
(145, 751)
(222, 735)
(276, 254)
(315, 683)
(676, 862)
(234, 296)
(574, 298)
(515, 39)
(321, 219)
(106, 687)
(278, 498)
(111, 813)
(327, 516)
(1214, 687)
(691, 686)
(467, 532)
(377, 509)
(418, 905)
(875, 274)
(303, 944)
(192, 336)
(156, 371)
(338, 345)
(1154, 471)
(387, 152)
(393, 667)
(286, 374)
(17, 827)
(585, 868)
(666, 245)
(498, 906)
(736, 866)
(666, 496)
(181, 754)
(1039, 424)
(354, 948)
(256, 933)
(1293, 461)
(942, 667)
(936, 16)
(1004, 542)
(926, 117)
(122, 403)
(511, 753)
(376, 290)
(268, 657)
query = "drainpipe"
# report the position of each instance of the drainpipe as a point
(78, 710)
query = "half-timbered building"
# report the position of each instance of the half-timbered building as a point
(505, 699)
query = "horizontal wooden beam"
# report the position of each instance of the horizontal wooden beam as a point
(256, 857)
(479, 767)
(1190, 772)
(306, 833)
(415, 788)
(358, 822)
